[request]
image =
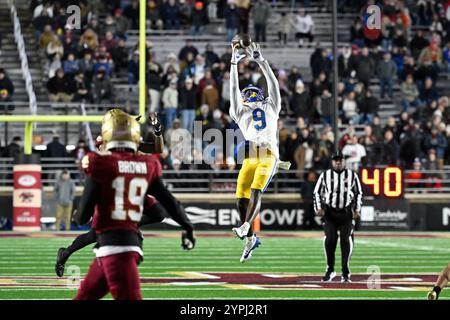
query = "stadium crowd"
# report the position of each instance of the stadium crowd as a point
(412, 53)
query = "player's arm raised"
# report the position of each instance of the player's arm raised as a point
(156, 141)
(273, 88)
(235, 94)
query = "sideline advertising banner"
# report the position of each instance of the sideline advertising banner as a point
(27, 197)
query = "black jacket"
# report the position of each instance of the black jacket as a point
(301, 105)
(187, 99)
(12, 150)
(56, 149)
(365, 69)
(369, 105)
(57, 85)
(7, 84)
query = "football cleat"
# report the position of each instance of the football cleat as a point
(346, 278)
(432, 295)
(329, 275)
(60, 262)
(249, 247)
(242, 231)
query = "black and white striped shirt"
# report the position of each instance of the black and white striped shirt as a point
(337, 190)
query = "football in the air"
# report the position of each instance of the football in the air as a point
(241, 41)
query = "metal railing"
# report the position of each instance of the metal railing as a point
(221, 181)
(23, 58)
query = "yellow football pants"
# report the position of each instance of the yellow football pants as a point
(256, 173)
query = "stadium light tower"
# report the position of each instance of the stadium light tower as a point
(335, 76)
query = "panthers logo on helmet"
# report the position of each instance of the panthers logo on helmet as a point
(252, 94)
(120, 130)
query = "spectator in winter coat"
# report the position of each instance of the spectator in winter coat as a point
(261, 14)
(231, 20)
(71, 65)
(187, 99)
(244, 7)
(386, 71)
(346, 62)
(54, 47)
(410, 93)
(319, 62)
(368, 108)
(120, 56)
(284, 27)
(131, 11)
(199, 18)
(304, 25)
(365, 67)
(428, 94)
(353, 152)
(46, 36)
(391, 149)
(122, 24)
(301, 103)
(350, 108)
(171, 15)
(65, 194)
(6, 86)
(60, 87)
(55, 149)
(211, 57)
(418, 43)
(154, 15)
(184, 51)
(437, 141)
(102, 88)
(14, 148)
(170, 103)
(210, 95)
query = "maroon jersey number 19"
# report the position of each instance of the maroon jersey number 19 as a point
(135, 193)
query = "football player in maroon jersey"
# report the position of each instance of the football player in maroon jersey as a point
(154, 212)
(117, 182)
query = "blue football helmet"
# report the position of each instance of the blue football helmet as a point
(252, 94)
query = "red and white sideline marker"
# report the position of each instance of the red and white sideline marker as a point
(27, 197)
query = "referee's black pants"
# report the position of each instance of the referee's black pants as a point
(342, 221)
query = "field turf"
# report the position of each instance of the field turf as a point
(286, 266)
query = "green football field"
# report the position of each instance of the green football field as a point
(287, 265)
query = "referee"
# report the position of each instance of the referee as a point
(338, 198)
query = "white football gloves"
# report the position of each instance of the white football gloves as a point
(236, 56)
(254, 52)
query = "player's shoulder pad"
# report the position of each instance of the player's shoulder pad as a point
(87, 162)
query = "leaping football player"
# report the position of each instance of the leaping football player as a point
(257, 117)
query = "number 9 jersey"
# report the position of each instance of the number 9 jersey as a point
(122, 179)
(258, 121)
(260, 124)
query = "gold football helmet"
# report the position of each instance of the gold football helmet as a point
(120, 130)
